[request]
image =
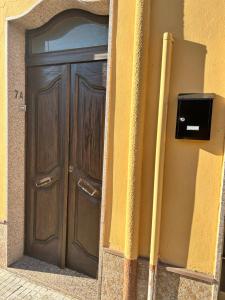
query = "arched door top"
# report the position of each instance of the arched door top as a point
(72, 31)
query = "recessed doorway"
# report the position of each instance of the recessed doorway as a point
(66, 69)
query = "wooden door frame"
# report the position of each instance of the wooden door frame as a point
(88, 54)
(68, 56)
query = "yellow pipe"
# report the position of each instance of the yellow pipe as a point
(159, 159)
(142, 14)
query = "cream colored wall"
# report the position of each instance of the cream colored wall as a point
(2, 123)
(7, 8)
(192, 169)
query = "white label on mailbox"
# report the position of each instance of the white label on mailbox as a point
(193, 128)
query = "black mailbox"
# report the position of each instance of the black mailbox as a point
(194, 113)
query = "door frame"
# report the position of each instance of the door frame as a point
(82, 55)
(12, 241)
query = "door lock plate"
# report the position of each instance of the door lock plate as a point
(71, 169)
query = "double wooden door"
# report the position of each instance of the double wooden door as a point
(65, 138)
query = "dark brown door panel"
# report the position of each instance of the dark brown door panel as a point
(88, 82)
(47, 162)
(65, 126)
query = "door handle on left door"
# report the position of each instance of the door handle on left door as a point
(87, 187)
(43, 182)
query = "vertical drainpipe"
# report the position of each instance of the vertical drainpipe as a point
(159, 161)
(134, 157)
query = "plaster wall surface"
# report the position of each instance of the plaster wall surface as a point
(193, 169)
(122, 59)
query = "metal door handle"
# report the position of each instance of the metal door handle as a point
(87, 187)
(43, 182)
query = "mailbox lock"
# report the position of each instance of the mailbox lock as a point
(182, 119)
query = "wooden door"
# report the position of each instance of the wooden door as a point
(88, 84)
(47, 162)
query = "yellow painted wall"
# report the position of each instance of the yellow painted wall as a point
(122, 81)
(192, 169)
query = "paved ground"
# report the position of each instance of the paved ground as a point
(53, 279)
(13, 286)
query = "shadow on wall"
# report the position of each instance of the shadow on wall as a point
(188, 66)
(191, 169)
(186, 161)
(192, 172)
(187, 75)
(187, 196)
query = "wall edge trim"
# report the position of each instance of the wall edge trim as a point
(199, 276)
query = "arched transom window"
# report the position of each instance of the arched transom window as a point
(74, 29)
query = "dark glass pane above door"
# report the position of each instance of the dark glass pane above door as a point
(73, 31)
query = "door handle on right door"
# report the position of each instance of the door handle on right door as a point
(87, 188)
